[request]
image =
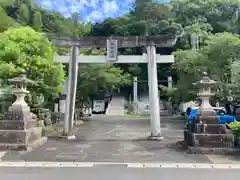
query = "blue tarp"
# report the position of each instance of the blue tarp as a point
(224, 118)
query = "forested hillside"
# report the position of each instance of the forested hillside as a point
(216, 22)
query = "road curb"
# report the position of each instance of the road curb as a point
(127, 165)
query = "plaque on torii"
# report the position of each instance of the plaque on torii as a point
(112, 49)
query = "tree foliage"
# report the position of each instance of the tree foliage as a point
(219, 54)
(24, 48)
(215, 21)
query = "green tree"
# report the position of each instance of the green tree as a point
(221, 15)
(217, 57)
(37, 21)
(95, 77)
(6, 21)
(24, 14)
(24, 48)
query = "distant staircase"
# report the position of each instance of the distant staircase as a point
(116, 106)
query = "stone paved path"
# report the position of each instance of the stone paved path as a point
(115, 139)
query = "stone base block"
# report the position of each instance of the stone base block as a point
(208, 140)
(208, 128)
(208, 150)
(16, 124)
(21, 146)
(206, 112)
(207, 119)
(213, 150)
(20, 139)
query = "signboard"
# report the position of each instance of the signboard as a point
(112, 49)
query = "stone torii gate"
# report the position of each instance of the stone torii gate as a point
(113, 43)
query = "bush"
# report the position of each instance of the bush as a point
(129, 107)
(235, 128)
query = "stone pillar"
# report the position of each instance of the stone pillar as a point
(153, 94)
(74, 70)
(62, 103)
(18, 129)
(135, 89)
(135, 94)
(55, 107)
(170, 83)
(71, 94)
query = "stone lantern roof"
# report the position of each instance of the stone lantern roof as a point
(205, 81)
(20, 79)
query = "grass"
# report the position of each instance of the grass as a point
(51, 130)
(136, 115)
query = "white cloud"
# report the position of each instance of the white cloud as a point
(93, 3)
(90, 10)
(95, 16)
(110, 7)
(47, 4)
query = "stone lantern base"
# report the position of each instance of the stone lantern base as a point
(18, 131)
(206, 132)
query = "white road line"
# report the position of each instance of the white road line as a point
(45, 164)
(134, 165)
(128, 165)
(152, 165)
(205, 166)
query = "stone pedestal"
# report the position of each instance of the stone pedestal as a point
(205, 131)
(18, 129)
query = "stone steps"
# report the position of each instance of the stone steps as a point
(116, 106)
(208, 140)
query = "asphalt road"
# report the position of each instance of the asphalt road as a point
(118, 139)
(117, 173)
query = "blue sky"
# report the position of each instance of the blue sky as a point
(90, 10)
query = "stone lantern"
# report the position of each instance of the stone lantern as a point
(19, 89)
(205, 94)
(205, 130)
(18, 129)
